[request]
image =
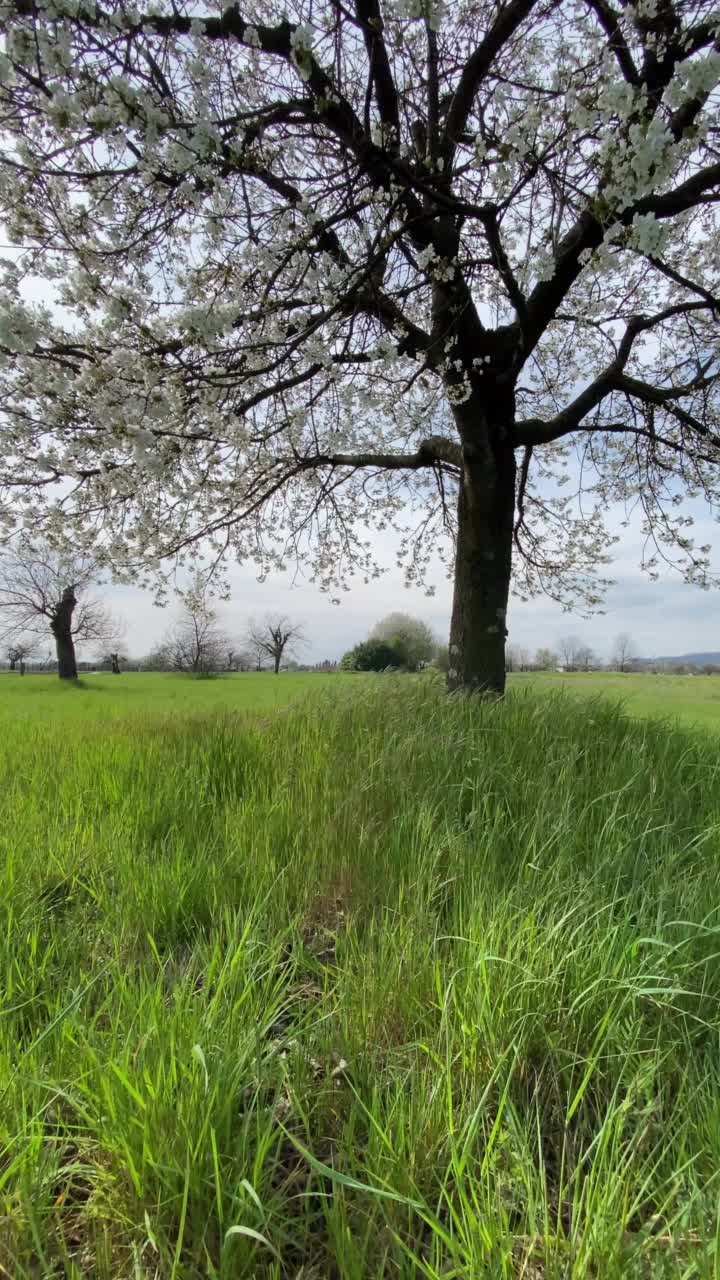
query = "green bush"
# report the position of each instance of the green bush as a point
(372, 655)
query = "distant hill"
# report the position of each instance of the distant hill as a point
(687, 660)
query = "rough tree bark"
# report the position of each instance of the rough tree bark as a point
(483, 557)
(61, 627)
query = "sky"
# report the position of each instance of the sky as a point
(663, 618)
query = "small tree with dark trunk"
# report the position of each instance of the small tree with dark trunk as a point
(41, 589)
(247, 659)
(19, 651)
(111, 659)
(275, 637)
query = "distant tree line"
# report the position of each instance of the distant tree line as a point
(573, 654)
(47, 609)
(198, 644)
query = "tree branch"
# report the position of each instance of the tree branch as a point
(678, 278)
(588, 232)
(608, 20)
(476, 68)
(370, 20)
(434, 450)
(502, 264)
(534, 431)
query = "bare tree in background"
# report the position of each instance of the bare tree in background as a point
(275, 637)
(248, 657)
(239, 657)
(623, 651)
(19, 650)
(584, 657)
(517, 657)
(196, 643)
(568, 647)
(512, 658)
(254, 655)
(41, 589)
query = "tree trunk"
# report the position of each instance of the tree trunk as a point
(61, 627)
(486, 508)
(12, 663)
(277, 663)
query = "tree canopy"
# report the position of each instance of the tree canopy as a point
(411, 637)
(381, 263)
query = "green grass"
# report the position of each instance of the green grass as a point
(105, 697)
(384, 984)
(694, 700)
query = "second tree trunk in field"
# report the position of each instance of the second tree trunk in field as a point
(61, 627)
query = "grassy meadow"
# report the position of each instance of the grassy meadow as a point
(336, 977)
(103, 697)
(694, 700)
